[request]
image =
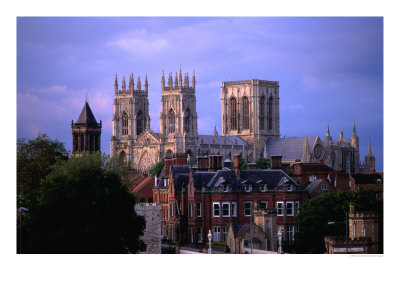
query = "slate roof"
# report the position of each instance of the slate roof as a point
(86, 116)
(289, 148)
(313, 185)
(272, 178)
(220, 140)
(201, 179)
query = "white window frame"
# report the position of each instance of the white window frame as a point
(190, 209)
(191, 235)
(216, 234)
(289, 233)
(323, 187)
(244, 206)
(312, 178)
(281, 208)
(229, 210)
(171, 209)
(198, 209)
(248, 187)
(296, 207)
(199, 235)
(219, 209)
(226, 188)
(265, 202)
(234, 209)
(292, 208)
(263, 187)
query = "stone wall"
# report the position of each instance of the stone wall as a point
(152, 232)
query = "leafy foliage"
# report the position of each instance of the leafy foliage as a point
(242, 164)
(82, 207)
(155, 170)
(263, 163)
(34, 161)
(314, 216)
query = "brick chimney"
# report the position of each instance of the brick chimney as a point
(214, 163)
(167, 163)
(251, 166)
(202, 163)
(236, 167)
(276, 162)
(180, 159)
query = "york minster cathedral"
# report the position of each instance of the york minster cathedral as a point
(250, 127)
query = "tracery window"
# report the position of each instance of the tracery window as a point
(270, 113)
(262, 100)
(233, 114)
(171, 121)
(124, 124)
(186, 120)
(139, 123)
(246, 113)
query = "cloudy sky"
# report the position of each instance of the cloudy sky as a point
(330, 70)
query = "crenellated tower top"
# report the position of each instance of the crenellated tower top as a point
(131, 87)
(177, 83)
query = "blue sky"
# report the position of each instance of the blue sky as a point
(330, 70)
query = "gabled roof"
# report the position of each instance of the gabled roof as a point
(313, 185)
(138, 187)
(86, 116)
(289, 148)
(221, 140)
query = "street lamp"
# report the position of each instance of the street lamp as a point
(209, 241)
(280, 240)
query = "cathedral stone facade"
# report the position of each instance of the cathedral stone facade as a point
(250, 127)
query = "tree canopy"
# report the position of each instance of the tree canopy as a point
(155, 170)
(34, 161)
(82, 207)
(263, 163)
(314, 216)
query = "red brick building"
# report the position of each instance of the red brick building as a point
(196, 200)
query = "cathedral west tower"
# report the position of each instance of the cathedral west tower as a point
(178, 117)
(130, 118)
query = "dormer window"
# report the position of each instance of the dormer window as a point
(263, 187)
(225, 187)
(290, 188)
(312, 178)
(248, 187)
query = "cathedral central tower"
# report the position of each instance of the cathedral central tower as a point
(250, 110)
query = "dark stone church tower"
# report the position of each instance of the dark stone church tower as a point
(86, 132)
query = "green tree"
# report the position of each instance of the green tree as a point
(314, 216)
(242, 164)
(82, 207)
(263, 163)
(155, 170)
(34, 161)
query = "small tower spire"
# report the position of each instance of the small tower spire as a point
(176, 79)
(162, 80)
(146, 85)
(215, 133)
(180, 77)
(116, 84)
(328, 132)
(193, 80)
(354, 129)
(186, 83)
(131, 84)
(170, 80)
(123, 85)
(369, 147)
(139, 85)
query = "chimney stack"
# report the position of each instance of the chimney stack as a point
(251, 166)
(167, 163)
(276, 162)
(236, 167)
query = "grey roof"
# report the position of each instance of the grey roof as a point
(201, 179)
(313, 185)
(221, 140)
(289, 148)
(86, 116)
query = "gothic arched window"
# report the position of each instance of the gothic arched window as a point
(233, 114)
(262, 100)
(246, 113)
(186, 121)
(124, 124)
(139, 123)
(171, 121)
(270, 113)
